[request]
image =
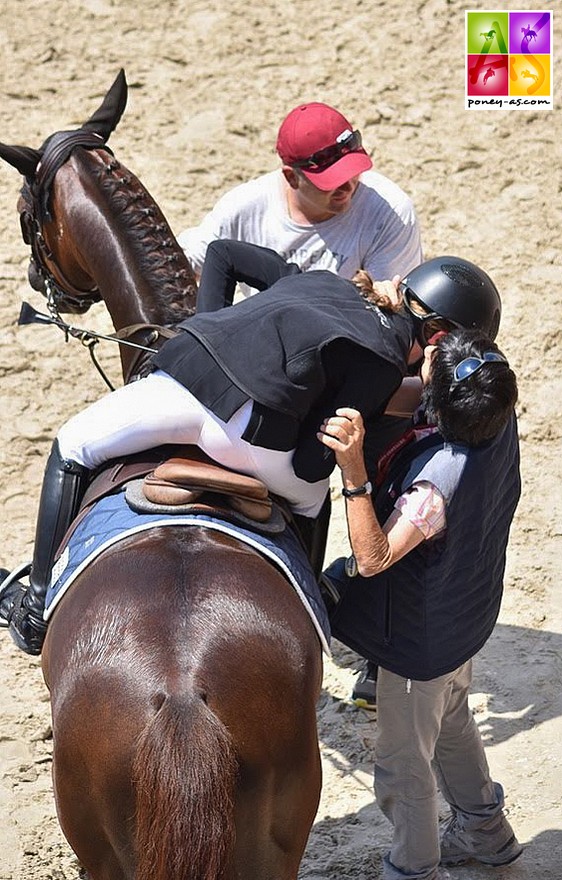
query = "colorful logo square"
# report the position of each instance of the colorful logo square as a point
(487, 32)
(529, 75)
(508, 59)
(487, 75)
(529, 32)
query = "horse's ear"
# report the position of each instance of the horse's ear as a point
(106, 117)
(24, 159)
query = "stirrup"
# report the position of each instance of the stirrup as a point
(23, 571)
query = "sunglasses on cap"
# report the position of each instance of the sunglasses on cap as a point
(428, 323)
(348, 142)
(470, 365)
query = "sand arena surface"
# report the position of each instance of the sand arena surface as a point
(209, 84)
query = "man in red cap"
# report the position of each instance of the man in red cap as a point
(326, 208)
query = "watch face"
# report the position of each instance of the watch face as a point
(351, 569)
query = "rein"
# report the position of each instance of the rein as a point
(156, 334)
(89, 339)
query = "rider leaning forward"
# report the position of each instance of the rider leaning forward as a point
(251, 384)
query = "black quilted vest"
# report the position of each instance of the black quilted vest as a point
(436, 607)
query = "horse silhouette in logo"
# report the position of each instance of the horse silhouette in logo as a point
(529, 34)
(526, 74)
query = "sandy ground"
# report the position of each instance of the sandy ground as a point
(210, 82)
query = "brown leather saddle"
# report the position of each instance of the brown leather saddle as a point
(182, 479)
(186, 479)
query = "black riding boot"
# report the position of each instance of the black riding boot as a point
(22, 606)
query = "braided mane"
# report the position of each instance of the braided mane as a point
(156, 251)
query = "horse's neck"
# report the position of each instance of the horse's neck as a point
(121, 239)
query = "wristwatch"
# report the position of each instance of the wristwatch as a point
(365, 489)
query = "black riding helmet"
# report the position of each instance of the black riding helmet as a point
(451, 291)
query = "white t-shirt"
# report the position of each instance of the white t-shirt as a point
(379, 232)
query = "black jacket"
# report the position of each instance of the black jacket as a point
(299, 349)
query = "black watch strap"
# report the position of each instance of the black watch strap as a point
(365, 489)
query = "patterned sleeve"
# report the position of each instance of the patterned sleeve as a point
(424, 506)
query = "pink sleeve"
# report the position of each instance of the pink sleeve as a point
(424, 506)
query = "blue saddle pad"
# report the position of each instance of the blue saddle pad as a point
(111, 520)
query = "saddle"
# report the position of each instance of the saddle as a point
(180, 479)
(184, 479)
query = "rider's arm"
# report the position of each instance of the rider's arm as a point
(354, 377)
(228, 262)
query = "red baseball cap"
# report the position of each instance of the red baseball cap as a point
(321, 143)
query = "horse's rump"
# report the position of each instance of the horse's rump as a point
(187, 696)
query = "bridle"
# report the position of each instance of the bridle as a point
(46, 276)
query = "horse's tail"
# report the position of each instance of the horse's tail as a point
(185, 772)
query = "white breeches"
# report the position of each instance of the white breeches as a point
(158, 410)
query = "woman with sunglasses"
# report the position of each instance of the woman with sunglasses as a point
(250, 385)
(421, 594)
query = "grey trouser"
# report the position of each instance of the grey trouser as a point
(427, 737)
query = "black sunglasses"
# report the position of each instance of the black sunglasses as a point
(348, 142)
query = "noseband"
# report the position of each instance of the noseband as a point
(45, 274)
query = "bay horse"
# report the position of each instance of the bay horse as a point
(182, 667)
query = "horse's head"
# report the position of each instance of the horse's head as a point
(96, 233)
(39, 167)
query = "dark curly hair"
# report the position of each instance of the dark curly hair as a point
(477, 408)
